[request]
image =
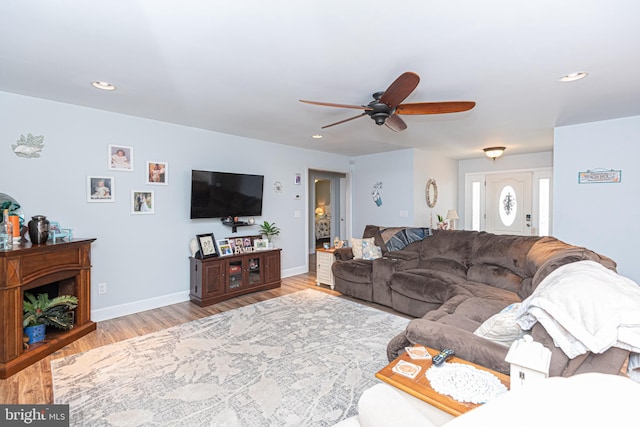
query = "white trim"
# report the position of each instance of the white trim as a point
(137, 306)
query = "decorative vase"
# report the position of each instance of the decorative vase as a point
(35, 333)
(38, 229)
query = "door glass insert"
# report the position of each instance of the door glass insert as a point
(508, 205)
(235, 274)
(254, 271)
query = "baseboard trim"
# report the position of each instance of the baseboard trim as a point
(107, 313)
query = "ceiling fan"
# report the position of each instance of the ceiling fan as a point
(386, 106)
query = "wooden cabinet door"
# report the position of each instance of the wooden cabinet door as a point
(271, 266)
(213, 278)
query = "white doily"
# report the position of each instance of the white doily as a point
(464, 383)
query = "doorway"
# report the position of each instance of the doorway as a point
(327, 208)
(516, 202)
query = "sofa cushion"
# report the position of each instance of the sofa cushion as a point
(356, 246)
(501, 327)
(424, 285)
(370, 251)
(357, 271)
(454, 245)
(443, 264)
(500, 260)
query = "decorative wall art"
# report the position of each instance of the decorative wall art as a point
(142, 203)
(120, 158)
(101, 189)
(157, 173)
(29, 147)
(375, 193)
(600, 176)
(431, 193)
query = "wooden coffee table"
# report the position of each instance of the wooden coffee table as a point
(419, 386)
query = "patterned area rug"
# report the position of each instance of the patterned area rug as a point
(298, 360)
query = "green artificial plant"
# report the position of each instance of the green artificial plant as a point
(269, 229)
(56, 312)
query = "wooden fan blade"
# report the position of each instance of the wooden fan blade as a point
(435, 107)
(395, 123)
(345, 120)
(331, 104)
(400, 89)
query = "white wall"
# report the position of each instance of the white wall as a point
(429, 165)
(601, 217)
(144, 258)
(404, 175)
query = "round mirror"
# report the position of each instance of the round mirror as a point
(8, 202)
(432, 193)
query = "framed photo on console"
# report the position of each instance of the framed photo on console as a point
(224, 248)
(207, 245)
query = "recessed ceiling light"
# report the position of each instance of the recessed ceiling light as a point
(572, 77)
(317, 136)
(103, 85)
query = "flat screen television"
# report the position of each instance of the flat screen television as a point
(223, 194)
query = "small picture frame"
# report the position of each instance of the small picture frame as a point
(143, 202)
(120, 158)
(224, 248)
(207, 246)
(260, 244)
(297, 180)
(100, 189)
(157, 173)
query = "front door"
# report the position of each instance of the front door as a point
(509, 203)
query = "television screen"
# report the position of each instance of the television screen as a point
(222, 194)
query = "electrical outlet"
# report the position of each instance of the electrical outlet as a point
(102, 288)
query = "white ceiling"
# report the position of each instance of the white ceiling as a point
(240, 67)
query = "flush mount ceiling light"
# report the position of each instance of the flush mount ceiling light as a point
(572, 77)
(103, 85)
(494, 152)
(317, 136)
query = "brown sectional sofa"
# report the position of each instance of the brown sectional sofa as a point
(453, 281)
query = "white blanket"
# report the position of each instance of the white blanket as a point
(584, 306)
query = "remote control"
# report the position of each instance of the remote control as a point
(442, 357)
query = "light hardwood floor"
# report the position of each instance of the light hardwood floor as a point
(33, 384)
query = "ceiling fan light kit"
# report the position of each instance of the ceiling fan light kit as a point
(494, 152)
(386, 106)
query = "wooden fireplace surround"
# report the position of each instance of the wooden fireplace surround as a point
(26, 267)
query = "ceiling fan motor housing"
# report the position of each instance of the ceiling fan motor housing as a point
(379, 112)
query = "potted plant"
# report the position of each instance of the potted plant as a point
(442, 224)
(269, 230)
(41, 311)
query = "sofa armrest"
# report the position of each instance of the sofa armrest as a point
(343, 254)
(467, 345)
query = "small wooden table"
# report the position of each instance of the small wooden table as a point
(419, 386)
(324, 261)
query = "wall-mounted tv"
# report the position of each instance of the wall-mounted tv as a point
(223, 194)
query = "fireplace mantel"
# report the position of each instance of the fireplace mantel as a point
(26, 267)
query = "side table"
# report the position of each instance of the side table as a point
(419, 386)
(324, 261)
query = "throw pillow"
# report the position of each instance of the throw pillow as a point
(356, 246)
(502, 327)
(370, 250)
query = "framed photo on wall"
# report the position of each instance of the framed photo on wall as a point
(207, 245)
(100, 189)
(157, 173)
(120, 158)
(142, 203)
